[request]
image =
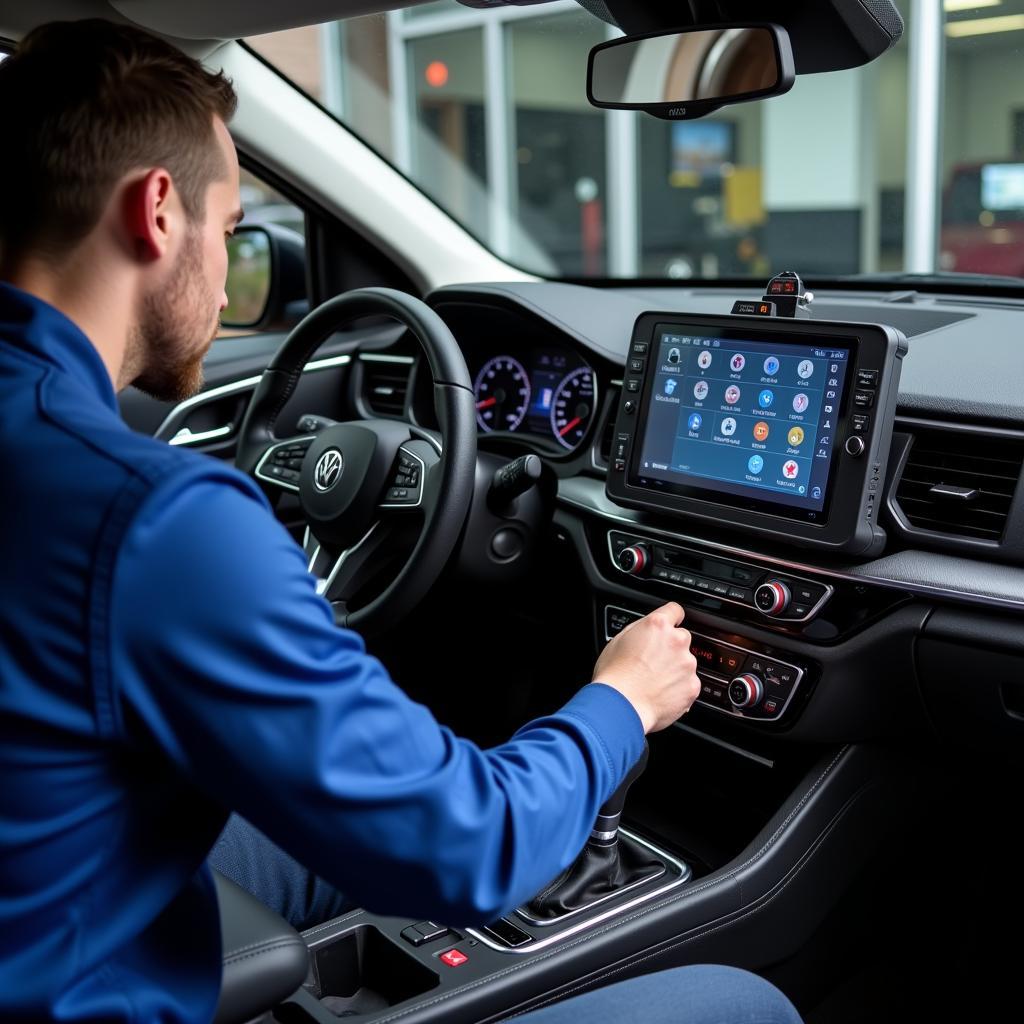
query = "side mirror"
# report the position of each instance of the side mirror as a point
(692, 72)
(266, 283)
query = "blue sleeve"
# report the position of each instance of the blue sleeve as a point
(228, 660)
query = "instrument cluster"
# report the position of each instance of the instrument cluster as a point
(546, 392)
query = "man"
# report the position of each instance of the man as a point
(164, 654)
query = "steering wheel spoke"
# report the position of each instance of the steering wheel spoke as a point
(341, 574)
(281, 463)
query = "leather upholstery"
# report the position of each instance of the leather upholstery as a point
(265, 959)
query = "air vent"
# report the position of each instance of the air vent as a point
(386, 383)
(960, 484)
(607, 435)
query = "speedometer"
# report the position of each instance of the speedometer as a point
(573, 407)
(502, 394)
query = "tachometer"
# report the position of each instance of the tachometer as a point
(573, 406)
(502, 394)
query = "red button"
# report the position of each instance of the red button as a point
(454, 958)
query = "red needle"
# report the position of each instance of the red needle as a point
(565, 430)
(487, 403)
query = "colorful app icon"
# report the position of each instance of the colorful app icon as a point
(674, 355)
(728, 427)
(732, 394)
(790, 470)
(737, 363)
(755, 464)
(771, 366)
(800, 403)
(761, 431)
(796, 437)
(704, 360)
(700, 390)
(805, 369)
(766, 399)
(670, 386)
(695, 421)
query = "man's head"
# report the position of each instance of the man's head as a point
(117, 156)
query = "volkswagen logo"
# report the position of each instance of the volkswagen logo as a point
(328, 469)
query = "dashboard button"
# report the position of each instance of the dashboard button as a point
(629, 408)
(508, 933)
(634, 559)
(636, 366)
(640, 348)
(770, 707)
(860, 422)
(632, 385)
(740, 594)
(688, 581)
(798, 610)
(746, 690)
(772, 598)
(863, 399)
(720, 589)
(867, 378)
(855, 445)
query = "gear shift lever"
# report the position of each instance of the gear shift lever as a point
(606, 827)
(607, 865)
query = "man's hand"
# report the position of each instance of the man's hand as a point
(650, 664)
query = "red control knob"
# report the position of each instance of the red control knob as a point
(746, 690)
(772, 597)
(635, 559)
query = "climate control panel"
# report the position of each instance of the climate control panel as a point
(776, 595)
(737, 679)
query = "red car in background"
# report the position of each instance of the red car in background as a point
(983, 219)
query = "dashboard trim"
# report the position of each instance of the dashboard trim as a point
(829, 591)
(1008, 602)
(222, 390)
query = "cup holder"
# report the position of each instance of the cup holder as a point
(363, 972)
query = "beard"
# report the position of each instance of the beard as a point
(175, 330)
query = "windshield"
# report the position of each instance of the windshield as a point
(486, 112)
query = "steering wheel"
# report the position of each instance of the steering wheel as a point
(363, 483)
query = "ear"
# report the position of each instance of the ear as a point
(148, 215)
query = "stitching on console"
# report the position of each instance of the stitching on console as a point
(269, 948)
(333, 923)
(587, 935)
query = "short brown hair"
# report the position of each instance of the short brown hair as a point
(86, 102)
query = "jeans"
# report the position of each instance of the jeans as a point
(261, 867)
(704, 994)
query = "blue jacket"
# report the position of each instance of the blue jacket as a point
(164, 658)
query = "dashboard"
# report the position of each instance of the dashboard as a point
(811, 491)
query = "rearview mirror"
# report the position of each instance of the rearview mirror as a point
(686, 74)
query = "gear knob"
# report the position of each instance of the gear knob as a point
(606, 827)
